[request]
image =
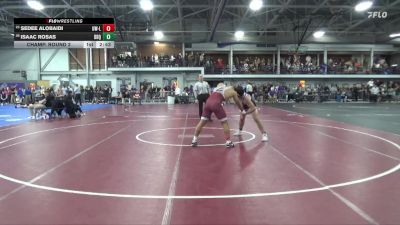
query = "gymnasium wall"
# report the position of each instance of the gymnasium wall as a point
(16, 60)
(146, 50)
(60, 61)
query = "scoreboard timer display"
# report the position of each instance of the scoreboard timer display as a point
(64, 33)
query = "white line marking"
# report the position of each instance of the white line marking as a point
(322, 109)
(355, 208)
(378, 114)
(339, 128)
(290, 112)
(349, 143)
(135, 111)
(80, 125)
(170, 204)
(33, 180)
(294, 114)
(356, 107)
(253, 195)
(9, 127)
(353, 114)
(13, 120)
(153, 116)
(12, 192)
(317, 117)
(369, 115)
(13, 144)
(351, 205)
(178, 128)
(200, 136)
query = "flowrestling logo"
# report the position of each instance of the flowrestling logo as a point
(377, 15)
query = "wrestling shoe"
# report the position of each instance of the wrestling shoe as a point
(264, 137)
(238, 133)
(229, 144)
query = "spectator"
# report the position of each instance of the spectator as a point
(355, 92)
(42, 104)
(78, 96)
(71, 108)
(374, 93)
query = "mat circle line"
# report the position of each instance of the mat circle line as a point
(250, 195)
(253, 136)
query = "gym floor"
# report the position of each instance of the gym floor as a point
(323, 164)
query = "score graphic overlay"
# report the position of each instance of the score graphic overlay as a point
(64, 33)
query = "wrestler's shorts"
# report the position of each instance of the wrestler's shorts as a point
(215, 108)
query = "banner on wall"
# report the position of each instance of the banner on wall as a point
(18, 85)
(43, 83)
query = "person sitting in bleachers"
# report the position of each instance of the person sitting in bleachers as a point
(41, 104)
(136, 97)
(3, 96)
(57, 107)
(71, 108)
(19, 98)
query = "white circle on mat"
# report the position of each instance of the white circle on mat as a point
(138, 137)
(248, 195)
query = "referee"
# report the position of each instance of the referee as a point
(201, 92)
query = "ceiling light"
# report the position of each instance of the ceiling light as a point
(319, 34)
(255, 5)
(36, 5)
(364, 5)
(158, 34)
(394, 35)
(146, 5)
(239, 34)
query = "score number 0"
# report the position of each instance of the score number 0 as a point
(108, 36)
(108, 28)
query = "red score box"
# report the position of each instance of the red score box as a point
(108, 28)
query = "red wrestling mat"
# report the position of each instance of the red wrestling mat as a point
(135, 166)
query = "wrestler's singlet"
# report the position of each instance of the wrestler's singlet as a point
(213, 104)
(245, 106)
